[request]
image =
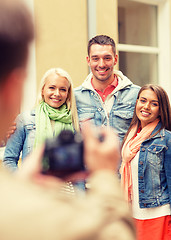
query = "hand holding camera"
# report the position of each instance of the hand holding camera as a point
(95, 151)
(102, 150)
(63, 155)
(68, 153)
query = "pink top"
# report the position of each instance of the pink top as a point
(108, 89)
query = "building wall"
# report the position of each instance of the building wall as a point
(61, 37)
(170, 27)
(29, 94)
(107, 18)
(62, 34)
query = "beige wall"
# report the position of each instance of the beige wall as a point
(62, 34)
(170, 28)
(62, 37)
(107, 18)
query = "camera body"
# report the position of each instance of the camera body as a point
(63, 155)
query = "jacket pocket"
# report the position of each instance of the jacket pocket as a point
(121, 120)
(124, 109)
(123, 114)
(86, 113)
(155, 154)
(30, 132)
(30, 127)
(86, 116)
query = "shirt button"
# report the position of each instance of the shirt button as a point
(141, 162)
(142, 191)
(143, 149)
(99, 109)
(141, 177)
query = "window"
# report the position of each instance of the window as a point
(138, 43)
(144, 41)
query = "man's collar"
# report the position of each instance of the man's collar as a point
(114, 83)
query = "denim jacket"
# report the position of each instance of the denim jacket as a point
(154, 170)
(90, 106)
(21, 141)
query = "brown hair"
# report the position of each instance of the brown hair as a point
(164, 108)
(102, 40)
(16, 32)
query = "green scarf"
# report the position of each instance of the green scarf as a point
(45, 113)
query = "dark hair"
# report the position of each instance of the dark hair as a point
(16, 32)
(164, 107)
(102, 40)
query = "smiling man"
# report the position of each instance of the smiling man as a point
(106, 97)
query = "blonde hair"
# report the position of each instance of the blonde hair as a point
(70, 101)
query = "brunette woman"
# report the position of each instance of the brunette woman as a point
(146, 164)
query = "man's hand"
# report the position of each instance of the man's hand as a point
(11, 130)
(100, 153)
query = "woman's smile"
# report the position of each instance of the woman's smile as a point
(55, 91)
(147, 107)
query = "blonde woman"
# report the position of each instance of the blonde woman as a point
(55, 111)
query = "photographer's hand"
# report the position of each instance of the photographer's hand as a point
(104, 154)
(31, 170)
(98, 155)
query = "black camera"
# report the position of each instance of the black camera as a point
(63, 155)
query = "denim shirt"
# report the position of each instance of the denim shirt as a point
(90, 107)
(21, 141)
(154, 170)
